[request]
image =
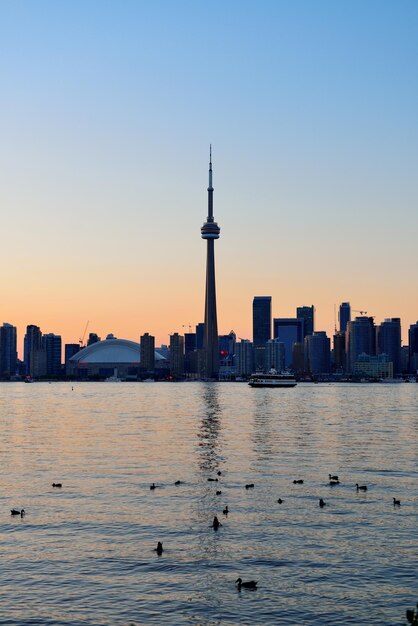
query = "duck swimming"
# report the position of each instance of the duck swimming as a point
(396, 502)
(226, 510)
(216, 523)
(219, 492)
(159, 548)
(58, 485)
(332, 477)
(361, 487)
(249, 486)
(280, 501)
(17, 512)
(249, 584)
(322, 503)
(298, 482)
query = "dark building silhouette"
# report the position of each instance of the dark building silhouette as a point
(360, 339)
(32, 341)
(345, 316)
(176, 355)
(289, 330)
(147, 350)
(200, 335)
(317, 353)
(210, 231)
(8, 351)
(261, 320)
(307, 313)
(190, 357)
(51, 344)
(388, 341)
(413, 348)
(70, 349)
(339, 355)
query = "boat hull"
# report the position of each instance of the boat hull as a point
(272, 384)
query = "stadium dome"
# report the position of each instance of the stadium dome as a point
(103, 357)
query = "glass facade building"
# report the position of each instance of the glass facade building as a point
(307, 313)
(289, 330)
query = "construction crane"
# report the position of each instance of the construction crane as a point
(361, 312)
(189, 326)
(81, 340)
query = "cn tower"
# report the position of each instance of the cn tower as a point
(210, 231)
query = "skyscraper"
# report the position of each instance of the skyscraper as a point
(147, 350)
(289, 330)
(32, 342)
(52, 345)
(307, 314)
(389, 342)
(261, 320)
(360, 339)
(210, 231)
(176, 355)
(345, 316)
(8, 353)
(317, 353)
(413, 348)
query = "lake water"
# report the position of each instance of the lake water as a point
(84, 554)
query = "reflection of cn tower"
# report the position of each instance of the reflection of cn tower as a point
(210, 231)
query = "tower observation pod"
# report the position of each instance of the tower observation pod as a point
(210, 231)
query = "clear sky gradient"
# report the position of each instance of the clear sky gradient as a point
(107, 110)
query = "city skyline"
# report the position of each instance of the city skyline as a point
(311, 110)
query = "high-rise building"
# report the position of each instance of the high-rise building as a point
(339, 356)
(307, 313)
(360, 339)
(317, 353)
(8, 352)
(52, 345)
(147, 351)
(345, 316)
(176, 355)
(210, 231)
(32, 341)
(298, 358)
(261, 320)
(275, 355)
(70, 349)
(244, 357)
(200, 335)
(413, 348)
(289, 330)
(388, 341)
(227, 349)
(190, 356)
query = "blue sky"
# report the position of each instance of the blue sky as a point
(106, 114)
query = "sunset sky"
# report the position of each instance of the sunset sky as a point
(107, 110)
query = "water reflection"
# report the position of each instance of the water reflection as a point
(210, 430)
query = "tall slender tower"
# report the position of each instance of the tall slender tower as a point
(210, 231)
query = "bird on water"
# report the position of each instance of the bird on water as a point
(58, 485)
(361, 487)
(226, 510)
(298, 482)
(280, 501)
(249, 584)
(219, 492)
(322, 503)
(212, 480)
(178, 482)
(153, 486)
(249, 486)
(159, 548)
(216, 523)
(332, 477)
(396, 502)
(17, 512)
(334, 482)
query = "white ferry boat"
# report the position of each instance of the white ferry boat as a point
(272, 379)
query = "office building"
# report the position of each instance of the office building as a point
(210, 231)
(147, 350)
(261, 320)
(200, 335)
(339, 355)
(52, 345)
(388, 341)
(274, 355)
(8, 351)
(244, 362)
(345, 316)
(32, 341)
(317, 353)
(307, 314)
(298, 359)
(413, 348)
(289, 330)
(373, 367)
(176, 355)
(70, 349)
(360, 339)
